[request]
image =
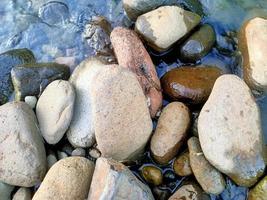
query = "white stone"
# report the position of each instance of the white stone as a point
(31, 101)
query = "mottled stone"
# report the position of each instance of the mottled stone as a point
(192, 85)
(229, 114)
(152, 175)
(181, 165)
(113, 180)
(131, 53)
(68, 179)
(170, 133)
(177, 23)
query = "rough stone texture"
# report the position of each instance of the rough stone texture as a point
(252, 43)
(230, 132)
(22, 158)
(135, 8)
(189, 192)
(199, 44)
(122, 121)
(68, 179)
(23, 194)
(259, 192)
(54, 110)
(162, 27)
(131, 53)
(5, 191)
(170, 133)
(113, 180)
(181, 165)
(81, 131)
(210, 179)
(190, 84)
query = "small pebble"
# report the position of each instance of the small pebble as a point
(78, 152)
(23, 194)
(51, 160)
(152, 175)
(181, 165)
(94, 153)
(61, 155)
(31, 101)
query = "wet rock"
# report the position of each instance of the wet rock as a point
(131, 53)
(210, 179)
(177, 23)
(78, 152)
(181, 165)
(23, 194)
(190, 84)
(54, 113)
(96, 33)
(69, 178)
(113, 180)
(121, 117)
(23, 159)
(229, 114)
(152, 175)
(135, 8)
(31, 101)
(31, 79)
(252, 40)
(170, 133)
(198, 44)
(189, 192)
(81, 132)
(259, 192)
(161, 193)
(5, 191)
(54, 13)
(8, 60)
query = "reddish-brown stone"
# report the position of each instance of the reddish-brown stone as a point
(131, 54)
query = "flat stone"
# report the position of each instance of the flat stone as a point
(189, 192)
(113, 180)
(170, 133)
(198, 45)
(252, 43)
(68, 179)
(181, 165)
(192, 85)
(229, 114)
(23, 159)
(121, 117)
(23, 194)
(81, 132)
(210, 179)
(163, 27)
(259, 192)
(31, 79)
(54, 110)
(131, 53)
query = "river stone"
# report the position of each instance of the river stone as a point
(181, 165)
(81, 132)
(121, 117)
(68, 179)
(252, 43)
(31, 79)
(131, 53)
(152, 175)
(113, 180)
(23, 194)
(135, 8)
(189, 192)
(210, 179)
(229, 114)
(163, 27)
(54, 110)
(23, 159)
(5, 191)
(192, 85)
(259, 192)
(8, 60)
(170, 133)
(199, 44)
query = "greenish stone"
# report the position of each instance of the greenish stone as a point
(5, 191)
(198, 44)
(31, 79)
(259, 192)
(152, 175)
(8, 60)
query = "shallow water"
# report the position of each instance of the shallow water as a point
(28, 24)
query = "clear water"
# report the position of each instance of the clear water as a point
(24, 25)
